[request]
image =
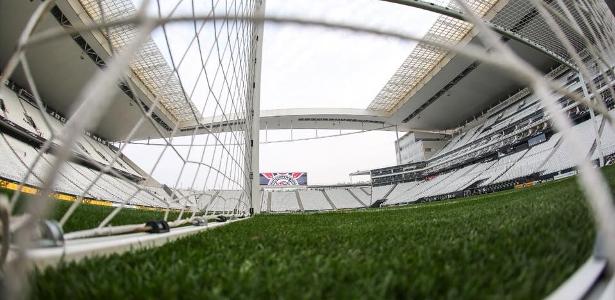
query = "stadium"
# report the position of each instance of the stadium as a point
(189, 149)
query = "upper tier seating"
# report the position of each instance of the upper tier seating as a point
(494, 150)
(562, 158)
(30, 118)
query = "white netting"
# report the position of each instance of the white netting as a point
(203, 94)
(424, 57)
(519, 18)
(62, 160)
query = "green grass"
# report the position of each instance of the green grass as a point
(89, 216)
(510, 245)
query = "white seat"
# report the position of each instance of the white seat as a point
(313, 200)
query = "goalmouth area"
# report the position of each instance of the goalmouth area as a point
(519, 244)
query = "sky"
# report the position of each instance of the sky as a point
(308, 67)
(305, 67)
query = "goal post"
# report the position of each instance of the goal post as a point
(255, 197)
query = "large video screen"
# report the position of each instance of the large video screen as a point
(283, 179)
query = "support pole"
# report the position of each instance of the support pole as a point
(592, 116)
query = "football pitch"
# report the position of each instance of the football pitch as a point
(514, 244)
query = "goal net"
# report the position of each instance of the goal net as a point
(167, 120)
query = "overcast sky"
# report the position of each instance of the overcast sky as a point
(315, 68)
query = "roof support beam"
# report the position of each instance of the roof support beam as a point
(502, 31)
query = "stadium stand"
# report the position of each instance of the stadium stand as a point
(223, 201)
(282, 201)
(314, 200)
(91, 153)
(265, 201)
(342, 198)
(319, 198)
(366, 190)
(511, 143)
(23, 112)
(607, 139)
(360, 195)
(380, 192)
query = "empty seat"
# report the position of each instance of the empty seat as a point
(342, 198)
(313, 200)
(284, 201)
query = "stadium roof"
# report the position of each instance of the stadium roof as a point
(149, 65)
(313, 118)
(517, 19)
(424, 58)
(427, 84)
